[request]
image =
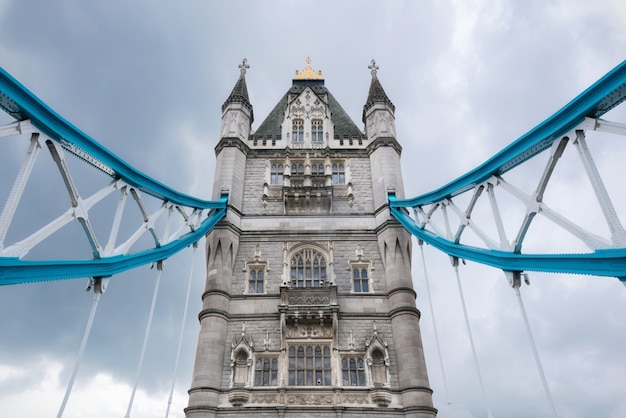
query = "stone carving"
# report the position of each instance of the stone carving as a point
(309, 331)
(294, 300)
(310, 399)
(267, 398)
(355, 398)
(238, 397)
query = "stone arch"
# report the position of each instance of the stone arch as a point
(308, 258)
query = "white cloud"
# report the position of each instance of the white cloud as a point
(100, 396)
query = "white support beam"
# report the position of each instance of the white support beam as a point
(17, 190)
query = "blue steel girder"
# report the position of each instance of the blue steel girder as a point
(568, 125)
(194, 217)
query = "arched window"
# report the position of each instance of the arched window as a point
(339, 174)
(317, 169)
(297, 169)
(317, 130)
(276, 174)
(297, 133)
(360, 279)
(256, 279)
(308, 269)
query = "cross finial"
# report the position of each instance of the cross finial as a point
(244, 66)
(373, 67)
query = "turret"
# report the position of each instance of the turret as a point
(384, 149)
(378, 112)
(237, 114)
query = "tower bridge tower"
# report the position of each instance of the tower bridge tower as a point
(309, 308)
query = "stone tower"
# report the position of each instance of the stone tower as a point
(309, 308)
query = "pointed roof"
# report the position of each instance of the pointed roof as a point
(240, 91)
(377, 93)
(343, 124)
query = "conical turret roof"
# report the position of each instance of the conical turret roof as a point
(377, 93)
(240, 91)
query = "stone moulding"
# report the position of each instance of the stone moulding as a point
(238, 397)
(381, 397)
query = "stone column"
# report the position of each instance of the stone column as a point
(206, 384)
(413, 382)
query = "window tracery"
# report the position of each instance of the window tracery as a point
(317, 130)
(308, 269)
(297, 131)
(309, 365)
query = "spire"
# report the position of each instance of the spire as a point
(377, 93)
(240, 91)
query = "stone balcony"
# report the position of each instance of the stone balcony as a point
(309, 312)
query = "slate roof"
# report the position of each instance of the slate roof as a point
(376, 95)
(240, 95)
(344, 126)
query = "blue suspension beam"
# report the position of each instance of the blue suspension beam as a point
(605, 262)
(23, 105)
(16, 271)
(602, 96)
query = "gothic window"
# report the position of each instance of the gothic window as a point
(317, 169)
(309, 365)
(266, 371)
(240, 373)
(308, 269)
(317, 130)
(353, 371)
(256, 279)
(360, 279)
(339, 174)
(276, 176)
(297, 133)
(379, 369)
(297, 169)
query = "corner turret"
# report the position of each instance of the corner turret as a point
(237, 114)
(378, 112)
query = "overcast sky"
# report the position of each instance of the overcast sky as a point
(147, 80)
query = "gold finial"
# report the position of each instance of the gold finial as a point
(308, 73)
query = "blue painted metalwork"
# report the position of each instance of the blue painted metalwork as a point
(602, 262)
(16, 271)
(595, 101)
(22, 105)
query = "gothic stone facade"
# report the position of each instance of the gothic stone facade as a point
(309, 308)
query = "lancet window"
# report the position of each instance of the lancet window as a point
(339, 174)
(360, 279)
(256, 279)
(317, 130)
(297, 132)
(276, 174)
(317, 169)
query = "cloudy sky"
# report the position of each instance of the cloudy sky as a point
(147, 79)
